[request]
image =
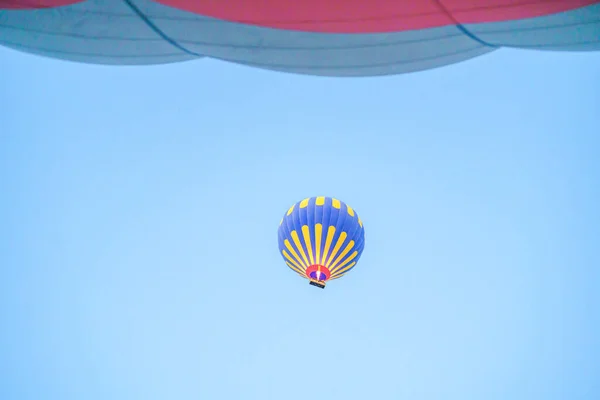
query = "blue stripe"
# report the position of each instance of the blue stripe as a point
(158, 31)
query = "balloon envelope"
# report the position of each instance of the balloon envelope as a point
(321, 238)
(316, 37)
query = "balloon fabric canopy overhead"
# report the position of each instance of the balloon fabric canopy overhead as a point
(321, 238)
(315, 37)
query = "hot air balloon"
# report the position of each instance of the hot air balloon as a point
(321, 238)
(314, 37)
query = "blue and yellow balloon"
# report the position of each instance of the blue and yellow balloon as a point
(321, 238)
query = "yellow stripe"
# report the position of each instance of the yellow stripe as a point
(304, 203)
(337, 247)
(291, 209)
(320, 201)
(346, 261)
(306, 234)
(291, 249)
(318, 234)
(295, 262)
(299, 247)
(360, 222)
(343, 253)
(343, 272)
(330, 234)
(350, 211)
(335, 203)
(281, 222)
(295, 269)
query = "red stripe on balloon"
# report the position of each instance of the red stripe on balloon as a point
(372, 16)
(34, 4)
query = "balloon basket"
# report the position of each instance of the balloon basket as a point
(319, 284)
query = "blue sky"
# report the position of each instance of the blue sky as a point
(139, 214)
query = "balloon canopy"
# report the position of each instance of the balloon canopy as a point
(315, 37)
(321, 238)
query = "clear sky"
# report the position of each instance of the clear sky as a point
(139, 209)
